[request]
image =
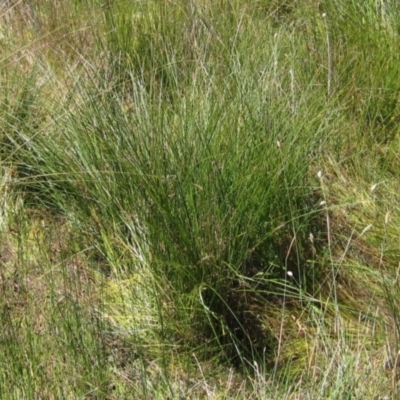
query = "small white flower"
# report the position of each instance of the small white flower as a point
(323, 15)
(311, 237)
(290, 273)
(323, 203)
(319, 174)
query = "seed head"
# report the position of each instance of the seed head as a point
(366, 229)
(387, 217)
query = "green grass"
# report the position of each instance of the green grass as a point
(199, 199)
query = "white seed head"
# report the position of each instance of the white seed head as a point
(375, 185)
(323, 203)
(319, 174)
(366, 229)
(290, 273)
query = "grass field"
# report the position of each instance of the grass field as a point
(200, 199)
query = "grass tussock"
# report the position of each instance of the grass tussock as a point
(199, 199)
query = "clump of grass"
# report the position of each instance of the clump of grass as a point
(178, 170)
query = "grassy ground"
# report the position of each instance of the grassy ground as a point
(199, 199)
